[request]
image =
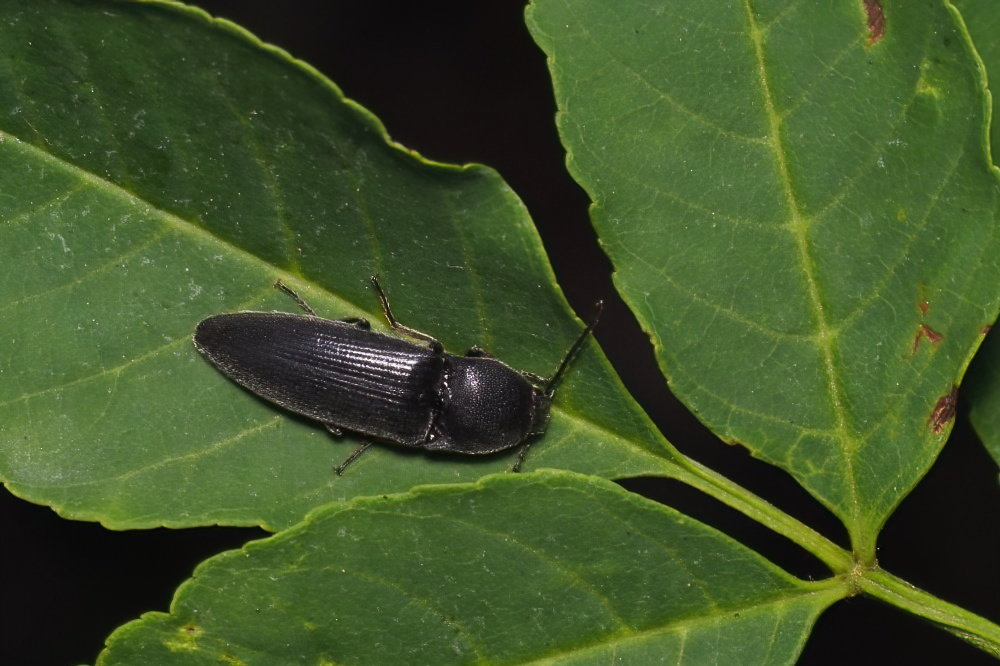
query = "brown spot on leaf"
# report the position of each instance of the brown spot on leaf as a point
(924, 307)
(926, 331)
(987, 329)
(876, 20)
(944, 411)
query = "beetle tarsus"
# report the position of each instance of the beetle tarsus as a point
(360, 322)
(523, 451)
(295, 297)
(405, 330)
(355, 454)
(478, 352)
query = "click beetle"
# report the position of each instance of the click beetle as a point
(413, 394)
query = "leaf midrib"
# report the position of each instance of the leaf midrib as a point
(798, 225)
(831, 588)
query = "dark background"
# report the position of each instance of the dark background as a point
(462, 81)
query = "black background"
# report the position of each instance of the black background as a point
(462, 81)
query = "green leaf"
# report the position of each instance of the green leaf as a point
(983, 21)
(161, 166)
(550, 565)
(800, 212)
(984, 391)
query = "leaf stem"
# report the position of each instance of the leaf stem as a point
(972, 628)
(868, 579)
(731, 494)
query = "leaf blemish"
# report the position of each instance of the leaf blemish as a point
(876, 20)
(944, 410)
(926, 331)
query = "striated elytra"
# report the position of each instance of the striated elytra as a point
(382, 387)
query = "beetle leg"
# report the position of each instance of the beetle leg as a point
(405, 330)
(521, 452)
(478, 352)
(295, 297)
(334, 430)
(360, 322)
(339, 469)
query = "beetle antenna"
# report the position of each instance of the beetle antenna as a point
(550, 386)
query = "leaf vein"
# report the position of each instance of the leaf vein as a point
(798, 226)
(648, 84)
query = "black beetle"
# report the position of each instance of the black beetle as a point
(348, 377)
